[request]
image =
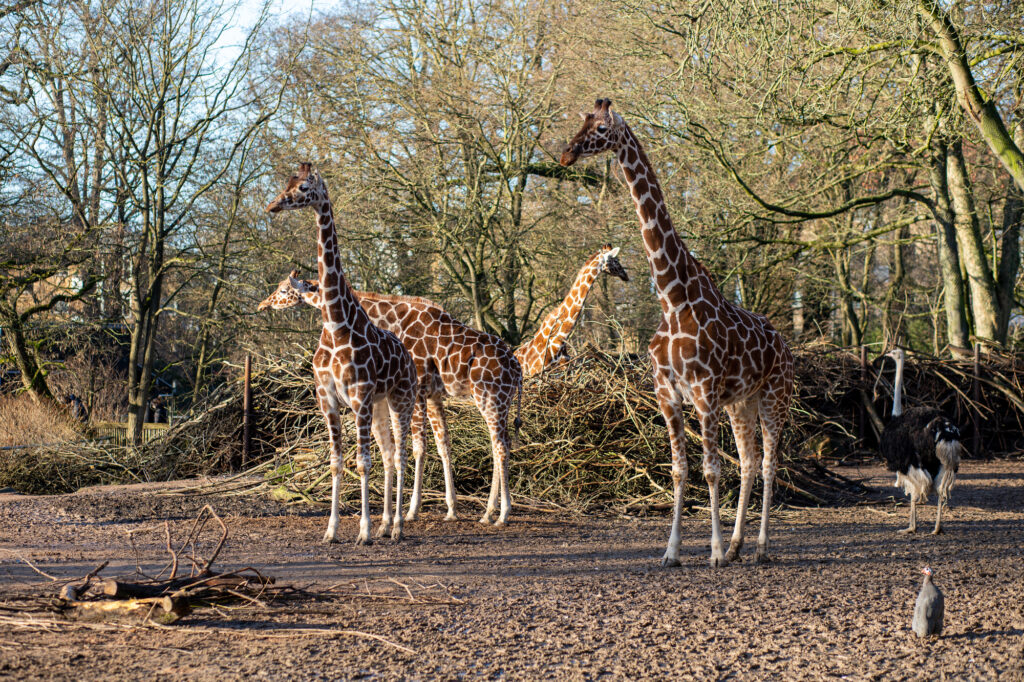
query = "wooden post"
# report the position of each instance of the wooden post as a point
(247, 412)
(862, 425)
(976, 397)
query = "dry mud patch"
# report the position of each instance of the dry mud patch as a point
(568, 597)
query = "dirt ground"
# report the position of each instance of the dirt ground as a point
(567, 597)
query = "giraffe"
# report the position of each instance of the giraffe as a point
(707, 350)
(451, 360)
(356, 364)
(548, 345)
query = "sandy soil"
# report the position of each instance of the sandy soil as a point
(548, 597)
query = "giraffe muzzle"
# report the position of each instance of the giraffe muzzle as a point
(569, 154)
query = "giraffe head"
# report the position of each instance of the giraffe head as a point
(289, 292)
(609, 262)
(305, 188)
(602, 130)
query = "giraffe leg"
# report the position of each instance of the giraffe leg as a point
(363, 410)
(333, 420)
(770, 430)
(492, 497)
(672, 409)
(743, 417)
(419, 446)
(402, 408)
(380, 428)
(499, 477)
(493, 407)
(439, 425)
(712, 474)
(499, 441)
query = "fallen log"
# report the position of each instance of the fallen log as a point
(164, 610)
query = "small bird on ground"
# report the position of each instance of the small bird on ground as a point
(930, 608)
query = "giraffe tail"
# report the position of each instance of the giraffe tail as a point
(518, 422)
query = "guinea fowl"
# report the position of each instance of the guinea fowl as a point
(923, 447)
(930, 608)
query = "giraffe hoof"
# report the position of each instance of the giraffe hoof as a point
(330, 537)
(937, 531)
(396, 533)
(364, 540)
(732, 555)
(411, 517)
(719, 562)
(669, 561)
(906, 531)
(382, 530)
(485, 519)
(499, 524)
(451, 517)
(762, 558)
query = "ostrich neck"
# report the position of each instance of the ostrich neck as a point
(341, 310)
(897, 399)
(553, 331)
(671, 263)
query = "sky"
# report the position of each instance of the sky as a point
(249, 11)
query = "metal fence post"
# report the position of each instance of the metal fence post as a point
(247, 412)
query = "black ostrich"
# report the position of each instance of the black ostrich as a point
(923, 447)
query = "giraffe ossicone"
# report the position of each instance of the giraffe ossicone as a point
(706, 351)
(355, 364)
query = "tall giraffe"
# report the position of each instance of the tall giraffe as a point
(706, 350)
(451, 360)
(548, 344)
(356, 364)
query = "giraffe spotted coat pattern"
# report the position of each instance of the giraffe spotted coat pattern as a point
(547, 347)
(707, 350)
(451, 360)
(356, 364)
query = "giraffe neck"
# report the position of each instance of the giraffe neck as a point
(311, 298)
(560, 322)
(672, 265)
(340, 308)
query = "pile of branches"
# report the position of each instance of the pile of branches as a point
(170, 594)
(592, 436)
(592, 433)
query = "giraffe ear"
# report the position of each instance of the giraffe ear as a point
(585, 116)
(293, 274)
(614, 252)
(304, 169)
(605, 105)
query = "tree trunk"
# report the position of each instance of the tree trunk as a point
(975, 104)
(1009, 261)
(957, 330)
(984, 301)
(32, 377)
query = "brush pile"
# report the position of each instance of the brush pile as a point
(593, 436)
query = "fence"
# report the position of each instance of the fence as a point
(118, 434)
